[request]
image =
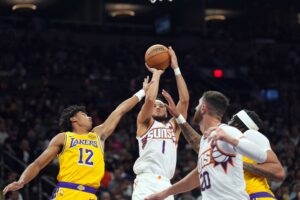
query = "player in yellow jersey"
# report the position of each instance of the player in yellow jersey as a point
(255, 174)
(79, 151)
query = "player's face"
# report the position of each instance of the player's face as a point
(159, 110)
(198, 116)
(84, 120)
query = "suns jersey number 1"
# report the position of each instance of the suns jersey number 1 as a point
(157, 150)
(82, 160)
(221, 169)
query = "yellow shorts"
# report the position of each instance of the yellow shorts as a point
(70, 194)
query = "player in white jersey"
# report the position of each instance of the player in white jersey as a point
(158, 136)
(220, 166)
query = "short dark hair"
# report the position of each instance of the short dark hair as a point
(237, 122)
(64, 120)
(217, 103)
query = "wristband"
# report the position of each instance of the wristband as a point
(177, 71)
(140, 94)
(180, 119)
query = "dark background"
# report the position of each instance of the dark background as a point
(78, 52)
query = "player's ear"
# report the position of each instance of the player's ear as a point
(203, 108)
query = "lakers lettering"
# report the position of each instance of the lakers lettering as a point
(75, 142)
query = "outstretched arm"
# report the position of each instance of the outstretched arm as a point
(183, 92)
(189, 182)
(110, 124)
(191, 136)
(271, 169)
(145, 113)
(34, 168)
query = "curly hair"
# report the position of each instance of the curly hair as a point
(64, 120)
(237, 122)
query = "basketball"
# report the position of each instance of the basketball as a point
(218, 156)
(157, 56)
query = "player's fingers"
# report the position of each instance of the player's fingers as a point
(147, 78)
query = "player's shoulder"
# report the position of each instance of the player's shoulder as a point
(59, 138)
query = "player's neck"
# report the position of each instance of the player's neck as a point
(207, 123)
(80, 130)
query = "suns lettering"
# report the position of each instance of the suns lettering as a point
(75, 142)
(161, 133)
(205, 159)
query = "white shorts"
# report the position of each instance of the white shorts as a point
(146, 184)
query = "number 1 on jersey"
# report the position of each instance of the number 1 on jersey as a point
(163, 146)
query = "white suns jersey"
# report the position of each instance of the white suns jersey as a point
(157, 151)
(221, 169)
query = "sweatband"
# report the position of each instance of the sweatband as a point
(177, 71)
(251, 150)
(244, 117)
(140, 94)
(180, 119)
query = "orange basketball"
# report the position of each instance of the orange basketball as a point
(157, 56)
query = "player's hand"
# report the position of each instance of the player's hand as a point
(217, 133)
(174, 62)
(171, 105)
(157, 196)
(16, 185)
(153, 70)
(146, 84)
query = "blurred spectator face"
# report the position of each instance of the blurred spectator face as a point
(25, 145)
(12, 176)
(105, 196)
(159, 110)
(83, 120)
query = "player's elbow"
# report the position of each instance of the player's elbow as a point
(280, 175)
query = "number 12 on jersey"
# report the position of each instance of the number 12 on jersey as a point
(87, 161)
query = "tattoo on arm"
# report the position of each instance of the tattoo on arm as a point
(257, 170)
(191, 136)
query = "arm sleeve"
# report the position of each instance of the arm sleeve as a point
(259, 139)
(251, 150)
(245, 146)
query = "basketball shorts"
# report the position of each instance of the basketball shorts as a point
(146, 184)
(262, 196)
(64, 192)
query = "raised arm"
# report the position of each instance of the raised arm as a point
(191, 136)
(183, 92)
(271, 169)
(54, 147)
(188, 183)
(145, 113)
(110, 124)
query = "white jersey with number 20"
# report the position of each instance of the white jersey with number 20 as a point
(221, 169)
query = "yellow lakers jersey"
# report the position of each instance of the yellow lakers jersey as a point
(255, 183)
(81, 160)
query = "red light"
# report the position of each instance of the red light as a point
(218, 73)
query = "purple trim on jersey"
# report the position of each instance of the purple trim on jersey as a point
(79, 187)
(261, 195)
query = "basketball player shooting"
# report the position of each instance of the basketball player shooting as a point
(80, 152)
(157, 137)
(220, 167)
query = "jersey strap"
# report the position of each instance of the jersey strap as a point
(79, 187)
(261, 195)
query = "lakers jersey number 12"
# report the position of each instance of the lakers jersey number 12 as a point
(81, 160)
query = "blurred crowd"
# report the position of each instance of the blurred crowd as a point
(41, 73)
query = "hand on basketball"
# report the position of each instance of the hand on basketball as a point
(16, 185)
(171, 105)
(153, 70)
(146, 84)
(157, 196)
(174, 62)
